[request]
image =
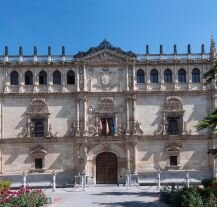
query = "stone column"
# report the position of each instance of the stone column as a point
(162, 87)
(175, 77)
(97, 123)
(128, 156)
(21, 81)
(116, 123)
(85, 156)
(50, 82)
(77, 79)
(134, 108)
(127, 116)
(78, 115)
(135, 157)
(127, 78)
(35, 81)
(189, 78)
(85, 77)
(134, 74)
(85, 114)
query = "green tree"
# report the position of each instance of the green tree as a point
(210, 121)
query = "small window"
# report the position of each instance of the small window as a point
(70, 77)
(154, 76)
(28, 78)
(14, 78)
(195, 75)
(168, 76)
(106, 127)
(182, 76)
(57, 77)
(140, 76)
(173, 161)
(42, 78)
(38, 163)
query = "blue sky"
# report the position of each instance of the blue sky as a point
(129, 24)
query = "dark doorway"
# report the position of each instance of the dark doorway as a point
(106, 168)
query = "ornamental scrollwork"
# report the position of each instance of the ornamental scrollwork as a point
(137, 128)
(74, 130)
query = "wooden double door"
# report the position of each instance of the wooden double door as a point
(106, 168)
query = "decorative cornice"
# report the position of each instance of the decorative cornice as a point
(103, 46)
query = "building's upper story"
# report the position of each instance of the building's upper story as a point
(105, 68)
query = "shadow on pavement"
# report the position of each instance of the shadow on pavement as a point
(126, 204)
(142, 194)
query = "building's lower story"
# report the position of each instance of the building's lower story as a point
(106, 160)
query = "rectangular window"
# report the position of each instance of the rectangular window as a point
(173, 161)
(38, 163)
(38, 127)
(173, 126)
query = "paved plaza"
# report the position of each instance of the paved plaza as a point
(105, 196)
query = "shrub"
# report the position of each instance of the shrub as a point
(22, 198)
(190, 197)
(4, 185)
(207, 182)
(171, 195)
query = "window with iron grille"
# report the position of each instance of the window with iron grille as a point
(173, 161)
(173, 126)
(38, 163)
(38, 129)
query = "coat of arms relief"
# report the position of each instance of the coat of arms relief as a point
(105, 78)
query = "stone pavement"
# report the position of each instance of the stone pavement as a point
(105, 196)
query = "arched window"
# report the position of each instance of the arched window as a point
(182, 76)
(42, 78)
(168, 76)
(57, 77)
(71, 77)
(14, 78)
(195, 75)
(28, 78)
(154, 76)
(140, 76)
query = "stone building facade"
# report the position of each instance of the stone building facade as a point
(105, 111)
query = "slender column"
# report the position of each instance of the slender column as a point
(85, 77)
(135, 158)
(21, 81)
(50, 82)
(134, 73)
(85, 114)
(175, 77)
(128, 156)
(189, 78)
(127, 79)
(85, 156)
(35, 81)
(134, 108)
(77, 79)
(78, 114)
(127, 117)
(97, 124)
(116, 123)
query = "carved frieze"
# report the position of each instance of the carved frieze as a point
(38, 150)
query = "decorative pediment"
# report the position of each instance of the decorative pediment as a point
(173, 103)
(38, 107)
(38, 150)
(173, 147)
(106, 105)
(105, 52)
